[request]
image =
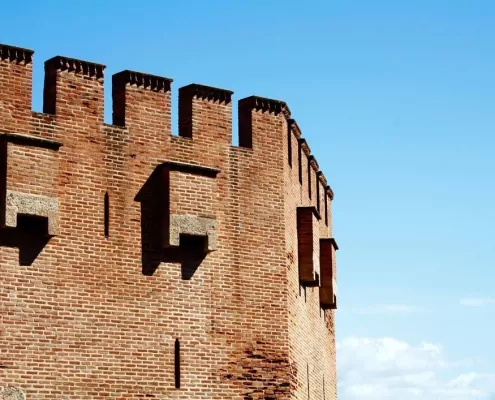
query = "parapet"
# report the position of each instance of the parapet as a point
(138, 79)
(84, 68)
(205, 107)
(265, 105)
(141, 99)
(16, 83)
(252, 104)
(316, 254)
(206, 92)
(73, 88)
(16, 54)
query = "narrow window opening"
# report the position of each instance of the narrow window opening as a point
(307, 378)
(309, 178)
(106, 215)
(177, 363)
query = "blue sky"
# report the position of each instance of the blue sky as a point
(396, 99)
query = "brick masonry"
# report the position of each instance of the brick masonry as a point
(106, 306)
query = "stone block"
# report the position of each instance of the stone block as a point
(33, 205)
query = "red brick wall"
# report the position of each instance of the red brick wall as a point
(32, 170)
(16, 84)
(192, 194)
(311, 328)
(97, 316)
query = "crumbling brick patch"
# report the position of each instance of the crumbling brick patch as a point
(261, 373)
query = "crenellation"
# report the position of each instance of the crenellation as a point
(147, 81)
(81, 67)
(323, 180)
(330, 192)
(17, 54)
(313, 181)
(73, 89)
(267, 105)
(16, 73)
(206, 92)
(201, 107)
(295, 128)
(319, 194)
(142, 100)
(250, 110)
(304, 147)
(313, 163)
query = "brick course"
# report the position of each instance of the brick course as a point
(102, 309)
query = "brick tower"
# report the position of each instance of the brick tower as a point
(138, 264)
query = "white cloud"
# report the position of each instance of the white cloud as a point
(477, 301)
(390, 369)
(390, 309)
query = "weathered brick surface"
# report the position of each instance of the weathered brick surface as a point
(32, 169)
(311, 328)
(99, 312)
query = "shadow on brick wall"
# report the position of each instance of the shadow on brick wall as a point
(30, 237)
(152, 251)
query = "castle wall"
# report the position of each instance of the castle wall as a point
(166, 269)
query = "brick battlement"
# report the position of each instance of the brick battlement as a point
(207, 93)
(17, 54)
(152, 82)
(84, 68)
(136, 263)
(266, 105)
(54, 86)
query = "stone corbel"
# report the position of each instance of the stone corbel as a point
(32, 205)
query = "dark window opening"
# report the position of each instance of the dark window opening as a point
(307, 378)
(177, 363)
(106, 216)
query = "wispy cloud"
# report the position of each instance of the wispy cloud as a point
(477, 301)
(389, 369)
(390, 309)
